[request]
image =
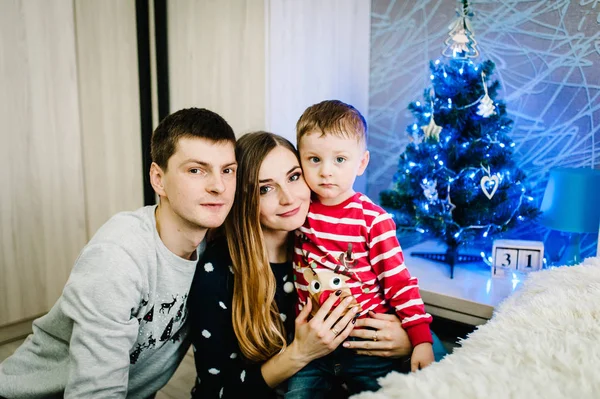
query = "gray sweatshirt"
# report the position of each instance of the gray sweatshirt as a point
(119, 328)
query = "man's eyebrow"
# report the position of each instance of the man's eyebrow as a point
(192, 160)
(206, 164)
(288, 172)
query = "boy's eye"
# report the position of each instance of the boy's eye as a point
(314, 159)
(194, 171)
(264, 189)
(340, 159)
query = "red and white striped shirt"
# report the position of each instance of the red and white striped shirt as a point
(378, 279)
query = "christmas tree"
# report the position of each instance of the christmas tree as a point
(457, 179)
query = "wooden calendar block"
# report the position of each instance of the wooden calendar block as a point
(506, 257)
(516, 255)
(529, 261)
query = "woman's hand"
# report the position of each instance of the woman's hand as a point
(313, 339)
(323, 333)
(387, 338)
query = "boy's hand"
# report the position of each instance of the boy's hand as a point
(422, 356)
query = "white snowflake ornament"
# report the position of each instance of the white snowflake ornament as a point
(430, 190)
(208, 267)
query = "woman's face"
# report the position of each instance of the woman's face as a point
(284, 196)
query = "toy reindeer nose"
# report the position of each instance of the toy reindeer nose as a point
(323, 297)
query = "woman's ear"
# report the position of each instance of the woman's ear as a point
(157, 179)
(363, 163)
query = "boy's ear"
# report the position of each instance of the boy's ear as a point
(156, 179)
(363, 163)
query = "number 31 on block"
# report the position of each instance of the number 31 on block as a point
(520, 255)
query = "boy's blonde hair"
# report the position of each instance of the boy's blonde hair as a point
(332, 117)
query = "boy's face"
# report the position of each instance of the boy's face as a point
(331, 164)
(199, 183)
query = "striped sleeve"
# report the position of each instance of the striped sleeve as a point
(401, 290)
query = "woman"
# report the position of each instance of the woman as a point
(241, 326)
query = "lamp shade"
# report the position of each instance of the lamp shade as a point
(572, 200)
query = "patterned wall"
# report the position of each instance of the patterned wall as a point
(547, 55)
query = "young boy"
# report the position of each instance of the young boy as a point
(349, 244)
(119, 328)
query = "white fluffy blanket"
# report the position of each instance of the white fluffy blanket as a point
(542, 342)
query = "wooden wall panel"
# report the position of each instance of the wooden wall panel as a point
(217, 59)
(110, 108)
(42, 209)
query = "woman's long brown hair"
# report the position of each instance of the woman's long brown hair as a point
(256, 321)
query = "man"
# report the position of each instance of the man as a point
(119, 328)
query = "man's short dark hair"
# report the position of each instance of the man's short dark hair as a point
(187, 123)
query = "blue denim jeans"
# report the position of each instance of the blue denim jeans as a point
(358, 373)
(343, 366)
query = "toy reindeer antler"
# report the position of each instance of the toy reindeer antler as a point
(347, 262)
(308, 262)
(346, 258)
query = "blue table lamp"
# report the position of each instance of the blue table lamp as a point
(572, 204)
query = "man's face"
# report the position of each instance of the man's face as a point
(199, 183)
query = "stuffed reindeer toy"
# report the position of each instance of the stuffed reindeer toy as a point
(323, 282)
